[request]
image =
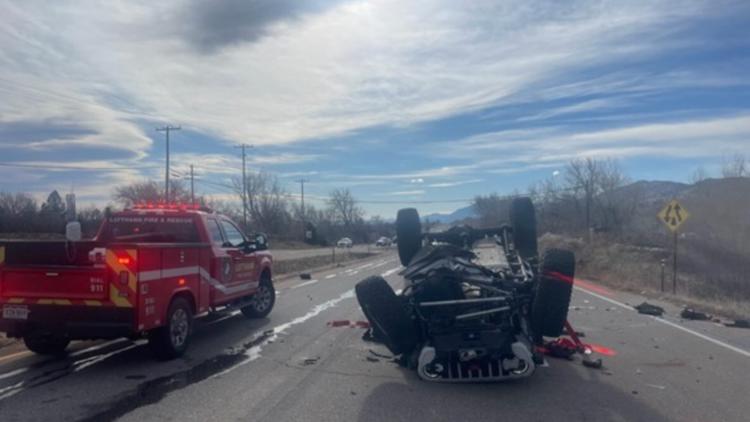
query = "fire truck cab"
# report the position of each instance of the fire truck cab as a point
(150, 271)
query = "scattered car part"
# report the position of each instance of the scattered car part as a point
(690, 313)
(739, 323)
(649, 309)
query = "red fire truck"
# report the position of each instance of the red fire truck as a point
(149, 272)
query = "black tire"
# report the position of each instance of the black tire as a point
(549, 310)
(408, 234)
(523, 221)
(262, 301)
(172, 340)
(46, 343)
(385, 312)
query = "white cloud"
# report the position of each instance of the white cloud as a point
(689, 138)
(406, 193)
(110, 64)
(417, 180)
(452, 184)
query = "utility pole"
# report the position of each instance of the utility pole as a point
(192, 186)
(166, 129)
(302, 207)
(244, 184)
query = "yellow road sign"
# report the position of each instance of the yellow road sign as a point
(673, 215)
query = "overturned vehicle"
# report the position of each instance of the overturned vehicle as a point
(477, 303)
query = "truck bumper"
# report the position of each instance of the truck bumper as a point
(75, 322)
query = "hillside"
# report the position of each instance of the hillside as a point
(457, 215)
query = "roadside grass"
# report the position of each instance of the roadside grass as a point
(638, 270)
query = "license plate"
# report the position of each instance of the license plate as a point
(15, 312)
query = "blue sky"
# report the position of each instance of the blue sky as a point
(424, 103)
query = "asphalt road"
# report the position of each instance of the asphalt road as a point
(294, 366)
(285, 254)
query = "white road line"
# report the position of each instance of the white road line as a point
(307, 283)
(254, 352)
(13, 373)
(97, 347)
(390, 272)
(671, 324)
(330, 276)
(704, 337)
(77, 366)
(605, 298)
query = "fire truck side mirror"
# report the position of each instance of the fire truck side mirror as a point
(261, 242)
(73, 231)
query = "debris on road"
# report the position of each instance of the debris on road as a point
(371, 359)
(739, 323)
(305, 276)
(649, 309)
(380, 355)
(310, 361)
(348, 323)
(690, 313)
(592, 363)
(658, 387)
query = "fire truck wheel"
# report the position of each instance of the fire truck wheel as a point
(45, 343)
(262, 301)
(523, 221)
(172, 340)
(408, 234)
(386, 314)
(550, 307)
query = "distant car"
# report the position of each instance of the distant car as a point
(383, 242)
(344, 242)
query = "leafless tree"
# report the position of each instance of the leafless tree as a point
(16, 204)
(700, 174)
(491, 210)
(735, 166)
(150, 191)
(343, 207)
(267, 201)
(592, 183)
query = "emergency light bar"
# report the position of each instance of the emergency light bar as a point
(163, 206)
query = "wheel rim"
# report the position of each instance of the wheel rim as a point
(262, 298)
(179, 327)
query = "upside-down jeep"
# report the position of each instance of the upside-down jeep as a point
(477, 303)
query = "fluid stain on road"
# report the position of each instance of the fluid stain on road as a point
(153, 391)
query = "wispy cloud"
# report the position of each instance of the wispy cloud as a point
(452, 184)
(406, 193)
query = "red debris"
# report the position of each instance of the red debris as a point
(348, 323)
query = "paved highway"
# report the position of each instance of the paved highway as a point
(285, 254)
(294, 366)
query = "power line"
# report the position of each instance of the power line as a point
(221, 185)
(166, 129)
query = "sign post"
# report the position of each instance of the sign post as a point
(673, 215)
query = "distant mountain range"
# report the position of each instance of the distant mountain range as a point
(457, 215)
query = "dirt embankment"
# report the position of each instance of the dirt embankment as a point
(638, 269)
